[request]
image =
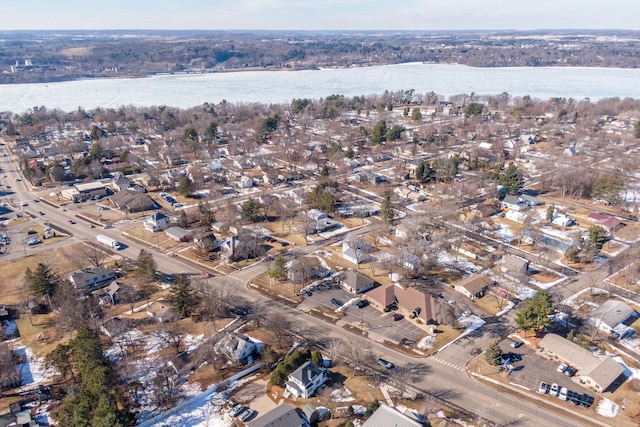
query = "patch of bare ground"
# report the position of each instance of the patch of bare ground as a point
(444, 334)
(277, 289)
(491, 303)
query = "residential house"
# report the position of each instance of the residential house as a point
(471, 250)
(304, 381)
(92, 277)
(160, 310)
(402, 230)
(156, 222)
(614, 317)
(208, 242)
(228, 247)
(282, 415)
(121, 182)
(610, 223)
(316, 214)
(599, 373)
(109, 295)
(354, 255)
(485, 210)
(514, 203)
(355, 282)
(236, 347)
(531, 200)
(514, 268)
(245, 182)
(178, 234)
(517, 216)
(474, 286)
(386, 416)
(563, 221)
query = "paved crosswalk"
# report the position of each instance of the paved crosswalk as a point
(449, 364)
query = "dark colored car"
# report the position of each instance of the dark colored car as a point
(362, 303)
(397, 316)
(516, 343)
(336, 302)
(570, 372)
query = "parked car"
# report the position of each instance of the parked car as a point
(513, 357)
(586, 400)
(397, 316)
(563, 393)
(307, 293)
(563, 367)
(362, 303)
(32, 232)
(92, 226)
(40, 213)
(516, 343)
(385, 363)
(34, 241)
(236, 410)
(70, 221)
(336, 302)
(554, 389)
(570, 372)
(24, 204)
(544, 388)
(246, 414)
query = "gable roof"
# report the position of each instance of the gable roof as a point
(515, 264)
(281, 416)
(424, 305)
(602, 370)
(355, 280)
(612, 312)
(386, 416)
(383, 295)
(475, 283)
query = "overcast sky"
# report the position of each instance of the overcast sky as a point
(320, 14)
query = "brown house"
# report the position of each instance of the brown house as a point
(420, 304)
(474, 286)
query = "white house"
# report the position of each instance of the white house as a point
(614, 317)
(91, 277)
(304, 381)
(236, 347)
(156, 222)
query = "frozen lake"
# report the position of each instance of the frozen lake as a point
(188, 90)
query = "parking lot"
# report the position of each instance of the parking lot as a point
(371, 319)
(533, 369)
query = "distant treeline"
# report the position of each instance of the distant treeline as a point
(44, 56)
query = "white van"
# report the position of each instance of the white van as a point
(563, 393)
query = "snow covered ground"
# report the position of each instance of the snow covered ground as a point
(607, 408)
(33, 370)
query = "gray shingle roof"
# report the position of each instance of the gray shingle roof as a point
(612, 312)
(307, 372)
(280, 416)
(386, 416)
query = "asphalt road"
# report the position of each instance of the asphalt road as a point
(442, 375)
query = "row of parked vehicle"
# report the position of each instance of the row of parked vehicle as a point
(171, 200)
(242, 412)
(585, 400)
